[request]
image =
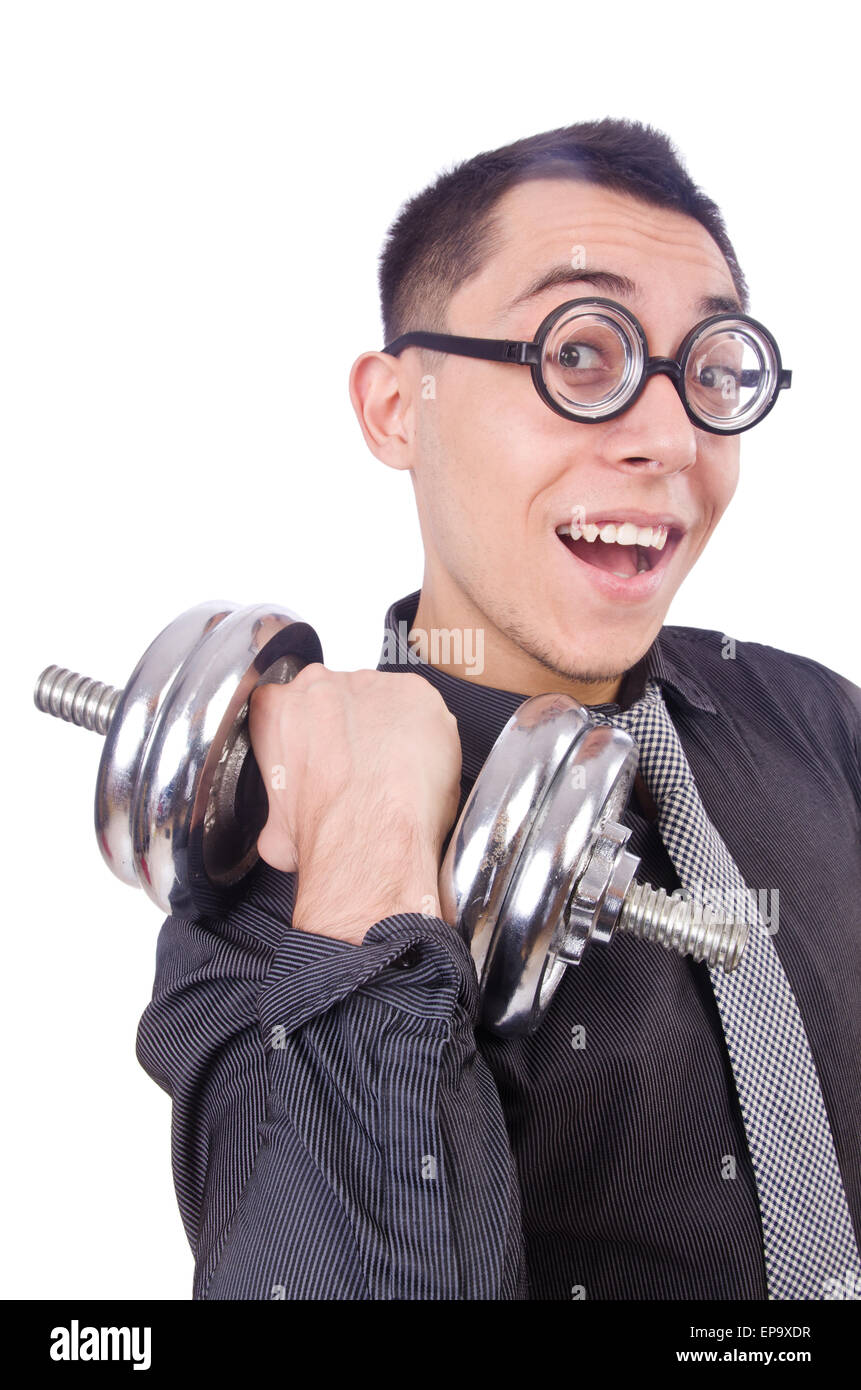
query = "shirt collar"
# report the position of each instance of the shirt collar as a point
(483, 711)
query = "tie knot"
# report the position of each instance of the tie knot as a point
(662, 760)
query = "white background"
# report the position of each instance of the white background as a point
(194, 199)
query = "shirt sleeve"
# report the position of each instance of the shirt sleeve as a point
(336, 1132)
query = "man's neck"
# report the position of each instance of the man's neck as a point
(478, 652)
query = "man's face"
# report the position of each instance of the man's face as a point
(496, 472)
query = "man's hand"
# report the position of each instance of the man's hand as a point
(362, 771)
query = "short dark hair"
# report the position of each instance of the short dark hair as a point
(443, 235)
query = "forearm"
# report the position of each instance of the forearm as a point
(337, 1132)
(385, 1171)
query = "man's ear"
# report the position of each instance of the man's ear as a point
(381, 391)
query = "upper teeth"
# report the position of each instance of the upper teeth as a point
(624, 534)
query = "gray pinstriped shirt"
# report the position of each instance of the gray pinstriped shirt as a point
(342, 1130)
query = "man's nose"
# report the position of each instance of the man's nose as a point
(656, 426)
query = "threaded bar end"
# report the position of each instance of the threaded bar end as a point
(691, 929)
(78, 699)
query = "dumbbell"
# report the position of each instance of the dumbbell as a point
(535, 871)
(179, 799)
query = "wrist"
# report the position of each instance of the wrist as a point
(347, 882)
(352, 922)
(347, 911)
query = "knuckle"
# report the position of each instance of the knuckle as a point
(317, 680)
(261, 699)
(314, 671)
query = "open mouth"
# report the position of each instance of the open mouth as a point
(625, 552)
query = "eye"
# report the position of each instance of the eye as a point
(579, 355)
(725, 380)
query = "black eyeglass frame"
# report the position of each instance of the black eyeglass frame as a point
(530, 354)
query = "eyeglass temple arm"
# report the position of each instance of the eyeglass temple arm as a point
(752, 378)
(487, 349)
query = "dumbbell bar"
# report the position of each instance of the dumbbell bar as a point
(536, 868)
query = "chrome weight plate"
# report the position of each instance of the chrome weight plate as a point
(523, 966)
(498, 815)
(201, 802)
(130, 728)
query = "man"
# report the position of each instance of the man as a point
(343, 1128)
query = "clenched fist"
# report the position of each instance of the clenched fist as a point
(362, 771)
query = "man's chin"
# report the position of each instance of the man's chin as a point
(594, 678)
(592, 670)
(597, 662)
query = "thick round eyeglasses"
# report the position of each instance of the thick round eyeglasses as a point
(590, 361)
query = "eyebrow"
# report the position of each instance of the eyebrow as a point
(611, 283)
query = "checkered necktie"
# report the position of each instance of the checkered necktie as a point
(809, 1244)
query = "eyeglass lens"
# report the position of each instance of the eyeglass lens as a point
(592, 364)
